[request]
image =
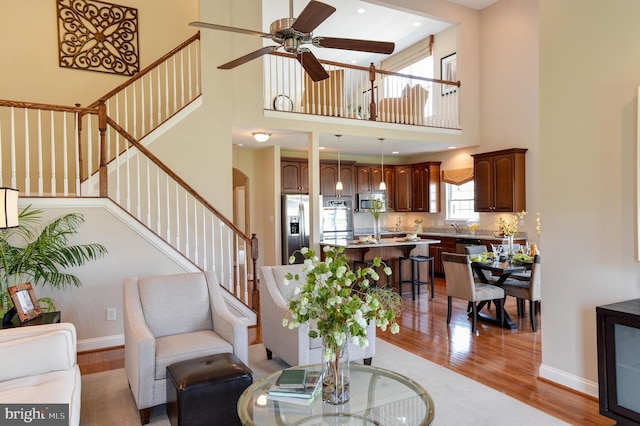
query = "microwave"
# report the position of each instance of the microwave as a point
(365, 201)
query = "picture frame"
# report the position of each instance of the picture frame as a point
(448, 72)
(25, 301)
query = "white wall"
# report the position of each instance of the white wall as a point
(589, 76)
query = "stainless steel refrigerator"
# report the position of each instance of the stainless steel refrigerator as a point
(295, 225)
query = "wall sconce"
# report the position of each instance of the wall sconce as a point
(8, 208)
(261, 136)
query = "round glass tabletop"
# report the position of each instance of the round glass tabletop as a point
(378, 397)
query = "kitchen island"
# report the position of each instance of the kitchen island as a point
(386, 248)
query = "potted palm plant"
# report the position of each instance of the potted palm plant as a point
(41, 254)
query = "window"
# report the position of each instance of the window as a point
(460, 202)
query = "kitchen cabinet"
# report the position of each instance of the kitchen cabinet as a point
(368, 179)
(389, 180)
(418, 187)
(447, 245)
(403, 191)
(294, 174)
(425, 187)
(499, 178)
(329, 177)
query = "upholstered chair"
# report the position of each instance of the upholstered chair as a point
(526, 290)
(475, 249)
(294, 346)
(174, 318)
(406, 109)
(461, 285)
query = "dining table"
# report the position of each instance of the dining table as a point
(496, 272)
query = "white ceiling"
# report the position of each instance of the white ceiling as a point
(376, 23)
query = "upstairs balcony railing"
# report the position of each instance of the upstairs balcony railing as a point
(360, 93)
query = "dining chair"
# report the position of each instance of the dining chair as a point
(526, 290)
(461, 285)
(475, 249)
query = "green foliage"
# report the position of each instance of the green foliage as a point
(27, 255)
(340, 299)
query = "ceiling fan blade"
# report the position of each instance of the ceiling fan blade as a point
(311, 16)
(354, 44)
(232, 29)
(312, 65)
(248, 57)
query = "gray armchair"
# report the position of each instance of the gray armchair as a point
(294, 346)
(173, 318)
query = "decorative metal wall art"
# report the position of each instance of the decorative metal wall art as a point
(98, 36)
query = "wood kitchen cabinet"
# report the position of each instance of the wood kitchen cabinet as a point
(403, 190)
(447, 245)
(425, 189)
(294, 175)
(329, 178)
(368, 179)
(499, 178)
(389, 180)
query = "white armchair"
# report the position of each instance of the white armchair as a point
(174, 318)
(39, 367)
(294, 346)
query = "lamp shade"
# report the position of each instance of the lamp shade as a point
(8, 208)
(261, 136)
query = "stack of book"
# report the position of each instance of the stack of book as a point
(296, 386)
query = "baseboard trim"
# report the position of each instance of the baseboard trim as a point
(100, 343)
(568, 380)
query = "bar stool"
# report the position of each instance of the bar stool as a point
(369, 263)
(415, 274)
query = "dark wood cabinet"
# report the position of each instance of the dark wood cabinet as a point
(329, 178)
(389, 180)
(369, 178)
(403, 189)
(447, 245)
(426, 187)
(294, 175)
(618, 337)
(500, 184)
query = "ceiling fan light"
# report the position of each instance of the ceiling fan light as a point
(261, 136)
(338, 186)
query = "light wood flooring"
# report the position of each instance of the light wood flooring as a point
(502, 359)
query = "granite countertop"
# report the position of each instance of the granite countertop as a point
(437, 234)
(384, 242)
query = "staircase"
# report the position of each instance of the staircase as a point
(100, 151)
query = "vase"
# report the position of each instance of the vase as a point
(335, 372)
(376, 227)
(509, 246)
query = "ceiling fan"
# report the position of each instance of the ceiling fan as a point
(292, 33)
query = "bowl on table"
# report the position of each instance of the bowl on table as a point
(411, 237)
(363, 238)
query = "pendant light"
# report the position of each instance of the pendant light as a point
(383, 186)
(339, 182)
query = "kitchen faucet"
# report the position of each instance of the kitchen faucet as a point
(398, 224)
(456, 227)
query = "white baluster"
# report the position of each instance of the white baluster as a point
(189, 68)
(128, 172)
(138, 193)
(159, 212)
(14, 178)
(65, 155)
(181, 78)
(204, 241)
(186, 225)
(168, 211)
(134, 107)
(27, 156)
(77, 153)
(166, 88)
(197, 65)
(195, 231)
(143, 115)
(40, 177)
(177, 219)
(148, 192)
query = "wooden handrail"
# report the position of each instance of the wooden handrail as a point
(175, 177)
(48, 107)
(148, 68)
(376, 70)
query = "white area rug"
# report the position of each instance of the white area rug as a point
(107, 400)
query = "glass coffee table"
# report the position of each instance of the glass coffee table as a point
(378, 397)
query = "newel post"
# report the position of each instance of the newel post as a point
(102, 171)
(372, 104)
(255, 299)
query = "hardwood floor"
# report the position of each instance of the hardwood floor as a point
(506, 360)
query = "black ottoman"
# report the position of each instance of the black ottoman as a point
(205, 391)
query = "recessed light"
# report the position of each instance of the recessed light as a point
(321, 147)
(239, 144)
(395, 152)
(416, 24)
(451, 147)
(353, 61)
(360, 10)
